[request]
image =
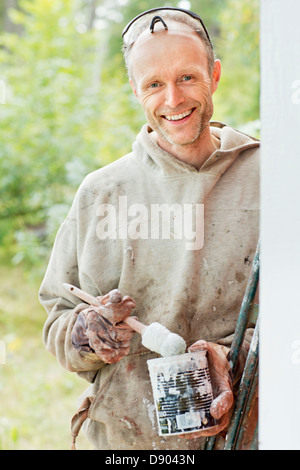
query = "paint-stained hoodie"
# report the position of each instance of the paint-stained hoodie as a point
(186, 269)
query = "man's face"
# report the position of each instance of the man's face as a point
(172, 82)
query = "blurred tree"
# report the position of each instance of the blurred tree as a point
(5, 22)
(49, 124)
(237, 99)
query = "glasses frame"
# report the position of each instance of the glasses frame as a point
(153, 10)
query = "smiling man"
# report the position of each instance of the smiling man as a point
(203, 177)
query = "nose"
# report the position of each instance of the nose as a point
(174, 96)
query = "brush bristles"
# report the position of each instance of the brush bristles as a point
(173, 345)
(159, 339)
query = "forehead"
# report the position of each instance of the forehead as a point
(175, 46)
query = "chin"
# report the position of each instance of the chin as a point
(185, 140)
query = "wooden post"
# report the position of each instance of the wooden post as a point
(280, 226)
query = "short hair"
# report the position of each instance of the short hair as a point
(180, 17)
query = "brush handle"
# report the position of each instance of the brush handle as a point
(134, 324)
(89, 299)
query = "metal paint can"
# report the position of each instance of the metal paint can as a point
(182, 393)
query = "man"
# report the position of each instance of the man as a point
(173, 226)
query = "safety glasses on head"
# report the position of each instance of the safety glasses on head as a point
(135, 26)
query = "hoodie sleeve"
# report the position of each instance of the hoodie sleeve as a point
(61, 306)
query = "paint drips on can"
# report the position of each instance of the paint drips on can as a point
(182, 393)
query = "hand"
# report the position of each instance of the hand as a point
(99, 330)
(220, 374)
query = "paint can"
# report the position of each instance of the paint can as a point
(182, 393)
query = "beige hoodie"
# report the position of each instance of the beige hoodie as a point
(192, 285)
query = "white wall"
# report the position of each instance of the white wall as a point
(279, 424)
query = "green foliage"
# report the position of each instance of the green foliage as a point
(237, 99)
(50, 120)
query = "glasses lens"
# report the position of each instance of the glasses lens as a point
(141, 22)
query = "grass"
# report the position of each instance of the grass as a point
(38, 397)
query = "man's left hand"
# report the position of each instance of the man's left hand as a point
(220, 374)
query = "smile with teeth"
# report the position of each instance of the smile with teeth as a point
(178, 117)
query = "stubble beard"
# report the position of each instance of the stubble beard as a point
(205, 113)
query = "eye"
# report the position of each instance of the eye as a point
(154, 85)
(187, 78)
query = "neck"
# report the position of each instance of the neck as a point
(195, 153)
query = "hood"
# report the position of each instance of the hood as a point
(232, 143)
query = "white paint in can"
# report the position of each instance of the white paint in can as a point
(182, 393)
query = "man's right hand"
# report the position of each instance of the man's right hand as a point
(100, 330)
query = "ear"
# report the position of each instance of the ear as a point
(216, 75)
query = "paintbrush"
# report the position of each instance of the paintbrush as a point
(155, 336)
